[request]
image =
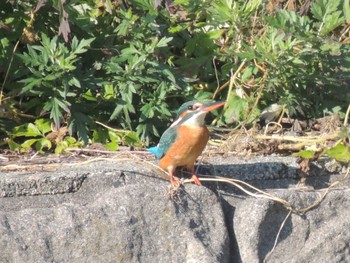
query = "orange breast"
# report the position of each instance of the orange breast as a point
(189, 144)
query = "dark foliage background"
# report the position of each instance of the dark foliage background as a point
(66, 67)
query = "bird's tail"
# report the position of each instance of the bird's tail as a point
(155, 151)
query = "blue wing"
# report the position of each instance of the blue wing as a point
(167, 139)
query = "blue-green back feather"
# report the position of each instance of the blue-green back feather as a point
(167, 139)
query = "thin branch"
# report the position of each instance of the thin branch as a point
(8, 71)
(278, 235)
(347, 116)
(298, 139)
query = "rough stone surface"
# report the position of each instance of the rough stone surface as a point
(320, 235)
(121, 212)
(254, 167)
(40, 184)
(112, 215)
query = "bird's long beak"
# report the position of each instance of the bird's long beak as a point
(212, 106)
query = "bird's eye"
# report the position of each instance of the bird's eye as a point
(190, 107)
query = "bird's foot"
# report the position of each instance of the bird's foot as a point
(196, 180)
(174, 182)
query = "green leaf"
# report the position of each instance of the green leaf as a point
(121, 104)
(215, 34)
(332, 21)
(67, 142)
(114, 138)
(236, 110)
(123, 28)
(147, 110)
(89, 96)
(307, 154)
(53, 76)
(74, 82)
(132, 139)
(74, 44)
(340, 152)
(247, 74)
(81, 48)
(60, 147)
(163, 42)
(318, 9)
(164, 110)
(201, 95)
(169, 75)
(79, 123)
(28, 143)
(25, 58)
(200, 45)
(251, 5)
(223, 11)
(298, 61)
(43, 143)
(100, 135)
(175, 29)
(131, 50)
(71, 141)
(44, 125)
(328, 14)
(346, 9)
(147, 5)
(26, 130)
(108, 92)
(14, 146)
(31, 83)
(54, 106)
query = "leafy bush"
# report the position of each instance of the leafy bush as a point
(53, 78)
(132, 63)
(41, 136)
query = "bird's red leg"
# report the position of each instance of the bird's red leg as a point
(173, 181)
(194, 176)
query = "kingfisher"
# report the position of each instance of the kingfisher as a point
(182, 143)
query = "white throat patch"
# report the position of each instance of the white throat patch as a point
(198, 119)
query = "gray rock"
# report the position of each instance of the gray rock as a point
(319, 235)
(253, 167)
(121, 212)
(113, 215)
(40, 184)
